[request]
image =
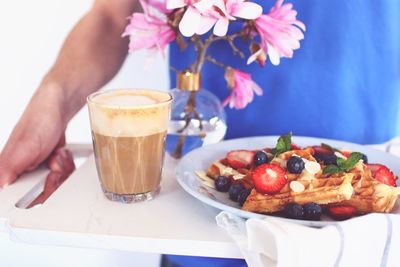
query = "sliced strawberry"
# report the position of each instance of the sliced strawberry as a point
(342, 212)
(374, 167)
(269, 178)
(382, 174)
(240, 158)
(295, 147)
(321, 150)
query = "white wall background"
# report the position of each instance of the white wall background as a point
(31, 33)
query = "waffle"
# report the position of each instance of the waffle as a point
(322, 191)
(220, 167)
(356, 188)
(370, 195)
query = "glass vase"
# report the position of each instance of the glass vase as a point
(197, 117)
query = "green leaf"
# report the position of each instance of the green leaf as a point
(332, 169)
(352, 160)
(343, 165)
(340, 161)
(284, 144)
(330, 148)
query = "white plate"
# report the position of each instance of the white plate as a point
(201, 158)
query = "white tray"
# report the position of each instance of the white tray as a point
(78, 215)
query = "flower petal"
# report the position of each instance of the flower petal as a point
(206, 23)
(172, 4)
(190, 22)
(248, 10)
(221, 27)
(220, 4)
(203, 5)
(257, 89)
(273, 55)
(251, 59)
(227, 100)
(254, 56)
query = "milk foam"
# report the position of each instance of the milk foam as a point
(129, 113)
(125, 100)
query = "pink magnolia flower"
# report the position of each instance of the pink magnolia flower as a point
(202, 15)
(243, 89)
(225, 10)
(192, 17)
(149, 30)
(280, 32)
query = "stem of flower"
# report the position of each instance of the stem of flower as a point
(216, 62)
(191, 112)
(201, 48)
(179, 147)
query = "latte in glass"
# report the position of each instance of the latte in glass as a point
(129, 130)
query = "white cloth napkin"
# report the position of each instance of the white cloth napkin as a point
(370, 240)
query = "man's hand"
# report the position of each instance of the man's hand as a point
(37, 135)
(91, 55)
(61, 164)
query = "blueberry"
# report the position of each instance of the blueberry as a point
(295, 164)
(294, 211)
(222, 183)
(365, 158)
(330, 159)
(319, 157)
(260, 158)
(235, 190)
(243, 196)
(312, 211)
(327, 159)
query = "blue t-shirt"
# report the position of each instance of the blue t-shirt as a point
(343, 83)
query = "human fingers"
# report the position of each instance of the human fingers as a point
(38, 132)
(53, 181)
(60, 144)
(13, 163)
(62, 161)
(7, 176)
(61, 166)
(56, 178)
(26, 148)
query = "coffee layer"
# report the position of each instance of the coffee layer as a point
(129, 165)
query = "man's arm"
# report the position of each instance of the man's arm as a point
(91, 55)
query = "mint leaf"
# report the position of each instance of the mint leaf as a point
(332, 169)
(352, 160)
(340, 161)
(343, 165)
(284, 144)
(330, 148)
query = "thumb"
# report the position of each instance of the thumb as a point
(12, 164)
(19, 157)
(7, 175)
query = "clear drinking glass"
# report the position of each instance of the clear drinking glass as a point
(129, 129)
